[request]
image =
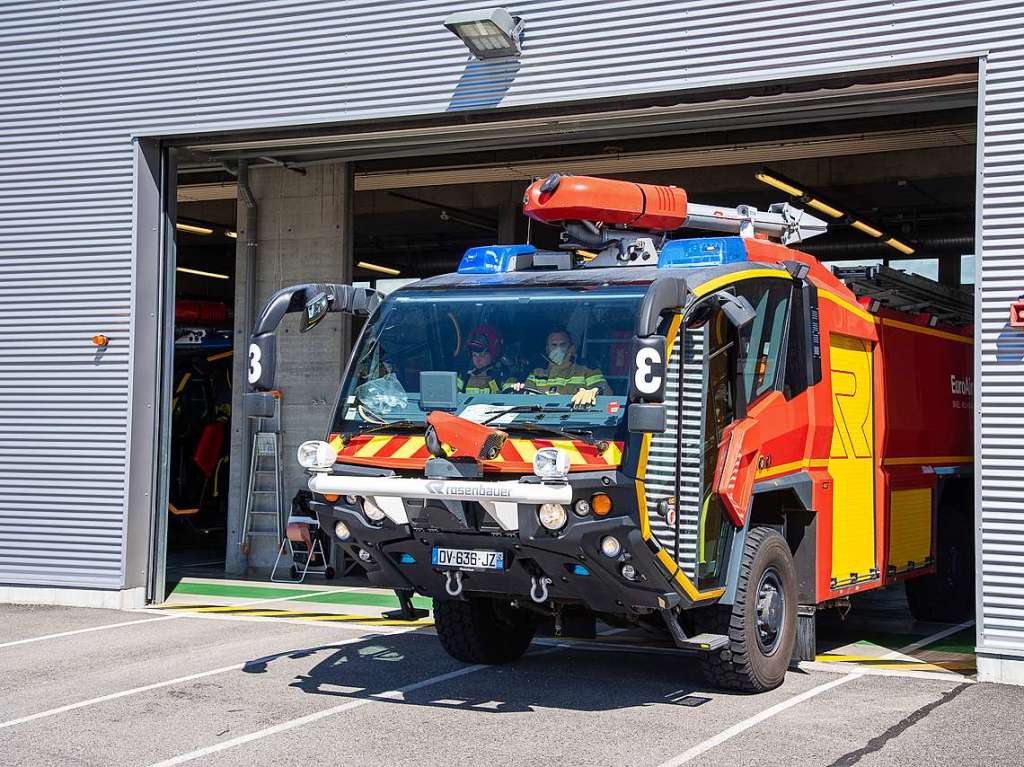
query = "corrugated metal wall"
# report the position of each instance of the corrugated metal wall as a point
(79, 77)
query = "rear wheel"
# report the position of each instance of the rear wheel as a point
(482, 630)
(947, 596)
(761, 624)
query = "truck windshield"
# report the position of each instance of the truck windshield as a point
(517, 356)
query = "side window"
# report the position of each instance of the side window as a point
(761, 342)
(803, 349)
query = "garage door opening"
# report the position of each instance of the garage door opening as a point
(377, 211)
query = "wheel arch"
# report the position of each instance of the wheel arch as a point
(784, 504)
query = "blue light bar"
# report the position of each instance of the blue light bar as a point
(702, 251)
(493, 259)
(407, 559)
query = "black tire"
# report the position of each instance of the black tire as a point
(481, 630)
(759, 652)
(947, 596)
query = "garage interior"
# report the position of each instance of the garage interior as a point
(895, 151)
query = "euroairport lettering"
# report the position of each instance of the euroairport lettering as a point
(962, 385)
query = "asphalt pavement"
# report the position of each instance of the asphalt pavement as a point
(266, 680)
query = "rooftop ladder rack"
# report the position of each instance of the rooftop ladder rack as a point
(897, 290)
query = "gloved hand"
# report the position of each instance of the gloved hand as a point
(584, 398)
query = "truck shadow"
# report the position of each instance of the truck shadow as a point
(549, 676)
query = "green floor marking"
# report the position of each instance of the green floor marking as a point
(237, 590)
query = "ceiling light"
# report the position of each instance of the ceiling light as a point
(825, 208)
(489, 33)
(377, 268)
(778, 183)
(193, 229)
(892, 242)
(866, 228)
(232, 235)
(199, 273)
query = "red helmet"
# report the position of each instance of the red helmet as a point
(485, 338)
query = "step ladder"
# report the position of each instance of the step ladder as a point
(264, 495)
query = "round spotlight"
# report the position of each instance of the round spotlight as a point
(552, 516)
(341, 530)
(365, 555)
(372, 511)
(581, 508)
(610, 546)
(551, 463)
(601, 504)
(316, 455)
(628, 572)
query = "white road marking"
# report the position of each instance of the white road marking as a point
(87, 630)
(398, 695)
(314, 717)
(147, 688)
(160, 618)
(703, 747)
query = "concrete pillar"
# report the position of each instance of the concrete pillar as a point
(304, 236)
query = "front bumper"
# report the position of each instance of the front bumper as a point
(576, 570)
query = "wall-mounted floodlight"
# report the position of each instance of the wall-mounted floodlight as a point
(489, 33)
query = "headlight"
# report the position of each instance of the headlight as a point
(582, 507)
(610, 546)
(372, 511)
(551, 463)
(552, 516)
(628, 572)
(316, 455)
(341, 530)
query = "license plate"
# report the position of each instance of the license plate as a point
(468, 559)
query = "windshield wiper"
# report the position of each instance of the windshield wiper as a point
(392, 425)
(539, 428)
(525, 409)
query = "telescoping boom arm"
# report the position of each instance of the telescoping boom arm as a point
(560, 199)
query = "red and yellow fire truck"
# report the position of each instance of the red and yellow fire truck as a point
(715, 436)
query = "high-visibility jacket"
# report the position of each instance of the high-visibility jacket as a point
(489, 380)
(568, 378)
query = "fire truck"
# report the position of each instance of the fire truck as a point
(709, 437)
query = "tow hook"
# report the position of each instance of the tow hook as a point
(457, 589)
(539, 589)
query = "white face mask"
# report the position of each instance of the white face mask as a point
(558, 353)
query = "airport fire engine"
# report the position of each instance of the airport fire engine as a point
(713, 437)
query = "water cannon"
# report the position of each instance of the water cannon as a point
(628, 221)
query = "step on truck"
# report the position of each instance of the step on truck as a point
(712, 437)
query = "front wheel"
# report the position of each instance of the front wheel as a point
(482, 630)
(761, 624)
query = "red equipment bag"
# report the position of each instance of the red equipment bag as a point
(208, 448)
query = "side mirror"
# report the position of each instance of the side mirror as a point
(647, 379)
(316, 309)
(736, 309)
(647, 418)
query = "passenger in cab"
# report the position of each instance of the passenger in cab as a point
(488, 375)
(564, 374)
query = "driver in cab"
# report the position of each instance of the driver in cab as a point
(564, 374)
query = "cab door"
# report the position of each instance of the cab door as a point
(851, 461)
